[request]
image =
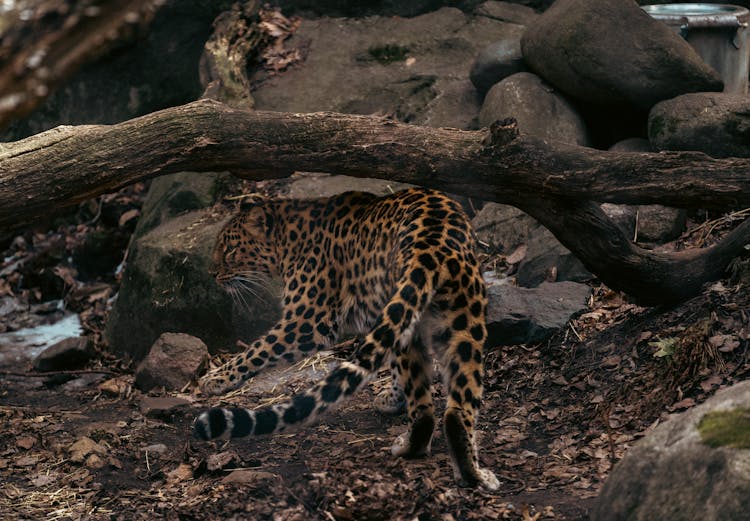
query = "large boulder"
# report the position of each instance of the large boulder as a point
(538, 109)
(695, 465)
(660, 224)
(612, 52)
(715, 123)
(167, 288)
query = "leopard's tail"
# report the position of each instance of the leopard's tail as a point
(395, 325)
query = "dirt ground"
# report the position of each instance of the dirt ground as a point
(556, 417)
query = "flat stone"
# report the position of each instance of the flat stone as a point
(246, 476)
(313, 185)
(526, 315)
(162, 406)
(611, 52)
(83, 447)
(507, 12)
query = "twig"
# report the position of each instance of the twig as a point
(610, 433)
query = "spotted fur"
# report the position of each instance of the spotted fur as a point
(400, 270)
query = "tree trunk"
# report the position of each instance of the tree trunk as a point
(557, 184)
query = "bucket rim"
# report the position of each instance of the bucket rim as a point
(699, 14)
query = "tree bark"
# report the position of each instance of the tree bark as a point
(557, 184)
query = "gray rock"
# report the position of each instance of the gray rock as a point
(70, 353)
(611, 52)
(507, 12)
(525, 315)
(167, 288)
(623, 215)
(538, 109)
(416, 69)
(312, 185)
(632, 144)
(695, 465)
(177, 194)
(174, 360)
(500, 59)
(504, 228)
(548, 260)
(655, 223)
(715, 123)
(495, 62)
(660, 224)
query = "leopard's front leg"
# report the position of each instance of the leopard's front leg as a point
(286, 342)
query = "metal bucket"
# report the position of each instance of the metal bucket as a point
(718, 32)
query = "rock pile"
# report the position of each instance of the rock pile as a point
(576, 76)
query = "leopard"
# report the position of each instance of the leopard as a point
(402, 272)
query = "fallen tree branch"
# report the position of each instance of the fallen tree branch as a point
(554, 182)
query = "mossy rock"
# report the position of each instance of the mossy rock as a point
(726, 429)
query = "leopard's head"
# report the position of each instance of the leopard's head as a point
(245, 251)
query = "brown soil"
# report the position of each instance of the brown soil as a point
(555, 419)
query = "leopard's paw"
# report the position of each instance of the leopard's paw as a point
(417, 441)
(487, 479)
(388, 402)
(218, 382)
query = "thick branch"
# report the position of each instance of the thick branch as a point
(549, 180)
(652, 277)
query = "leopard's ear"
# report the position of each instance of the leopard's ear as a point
(250, 201)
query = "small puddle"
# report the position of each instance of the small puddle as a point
(25, 344)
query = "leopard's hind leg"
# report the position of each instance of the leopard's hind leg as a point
(461, 342)
(414, 372)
